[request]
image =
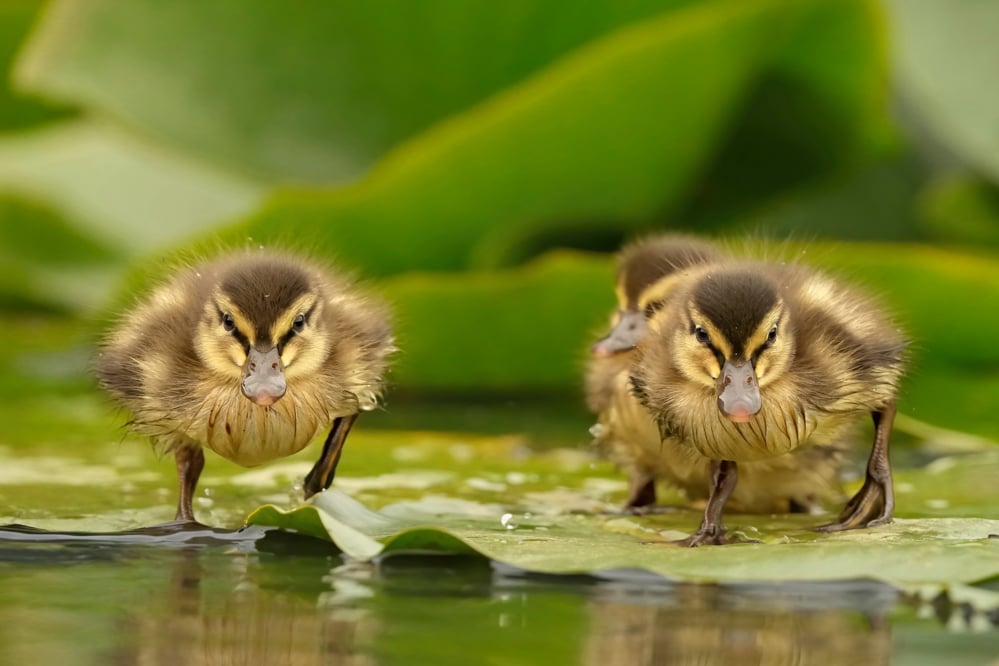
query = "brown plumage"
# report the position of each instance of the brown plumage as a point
(750, 360)
(250, 355)
(649, 272)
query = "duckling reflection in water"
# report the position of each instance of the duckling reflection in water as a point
(748, 361)
(250, 355)
(649, 271)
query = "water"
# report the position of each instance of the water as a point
(264, 598)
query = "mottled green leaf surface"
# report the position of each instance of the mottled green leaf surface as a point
(554, 513)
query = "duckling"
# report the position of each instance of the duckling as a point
(649, 270)
(748, 361)
(251, 355)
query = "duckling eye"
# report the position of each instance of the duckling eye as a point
(772, 336)
(701, 335)
(228, 323)
(299, 324)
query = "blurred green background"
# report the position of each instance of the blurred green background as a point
(480, 162)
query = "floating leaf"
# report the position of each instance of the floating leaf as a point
(910, 553)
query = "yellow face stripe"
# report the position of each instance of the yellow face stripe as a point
(285, 322)
(658, 291)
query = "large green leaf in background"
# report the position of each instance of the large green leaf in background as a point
(46, 262)
(333, 84)
(16, 111)
(946, 56)
(119, 189)
(603, 134)
(599, 142)
(611, 132)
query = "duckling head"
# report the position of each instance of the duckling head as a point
(734, 337)
(263, 324)
(648, 271)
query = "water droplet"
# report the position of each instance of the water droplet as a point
(598, 430)
(508, 521)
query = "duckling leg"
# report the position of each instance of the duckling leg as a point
(641, 492)
(724, 476)
(321, 475)
(190, 461)
(874, 503)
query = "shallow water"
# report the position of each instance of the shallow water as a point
(97, 586)
(278, 598)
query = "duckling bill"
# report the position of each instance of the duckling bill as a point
(750, 360)
(250, 355)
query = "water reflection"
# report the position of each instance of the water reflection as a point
(708, 624)
(247, 614)
(281, 599)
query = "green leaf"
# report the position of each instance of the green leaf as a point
(18, 111)
(961, 209)
(946, 56)
(817, 114)
(46, 262)
(614, 131)
(317, 91)
(500, 330)
(119, 189)
(542, 534)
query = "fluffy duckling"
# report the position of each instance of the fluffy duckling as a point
(649, 270)
(250, 355)
(748, 361)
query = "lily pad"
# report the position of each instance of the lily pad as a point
(928, 544)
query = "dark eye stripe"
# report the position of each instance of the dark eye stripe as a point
(294, 330)
(243, 340)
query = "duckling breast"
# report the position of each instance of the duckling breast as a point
(783, 424)
(249, 434)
